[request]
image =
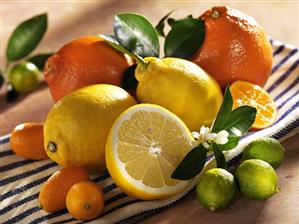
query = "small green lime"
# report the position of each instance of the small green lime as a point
(216, 189)
(24, 77)
(257, 179)
(267, 149)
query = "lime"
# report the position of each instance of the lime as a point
(267, 149)
(216, 189)
(257, 179)
(24, 76)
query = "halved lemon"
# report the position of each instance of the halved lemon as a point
(145, 145)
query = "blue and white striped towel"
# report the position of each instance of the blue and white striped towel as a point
(21, 179)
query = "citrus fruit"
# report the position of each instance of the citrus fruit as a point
(81, 62)
(235, 47)
(145, 145)
(77, 126)
(24, 77)
(257, 179)
(181, 87)
(52, 196)
(27, 140)
(267, 149)
(245, 93)
(216, 189)
(85, 200)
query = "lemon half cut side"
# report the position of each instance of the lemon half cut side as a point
(145, 145)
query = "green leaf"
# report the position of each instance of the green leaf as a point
(26, 37)
(172, 21)
(220, 158)
(112, 41)
(192, 164)
(161, 25)
(224, 111)
(185, 38)
(137, 34)
(232, 143)
(240, 121)
(40, 59)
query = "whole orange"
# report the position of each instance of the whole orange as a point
(235, 47)
(27, 140)
(52, 196)
(85, 200)
(81, 62)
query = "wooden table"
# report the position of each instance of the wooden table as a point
(79, 19)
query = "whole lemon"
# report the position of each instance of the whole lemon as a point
(181, 87)
(77, 126)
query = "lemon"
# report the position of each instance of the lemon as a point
(77, 126)
(267, 149)
(144, 146)
(257, 179)
(216, 189)
(181, 87)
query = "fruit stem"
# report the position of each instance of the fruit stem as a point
(139, 59)
(215, 14)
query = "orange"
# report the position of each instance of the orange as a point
(85, 200)
(245, 93)
(81, 62)
(235, 47)
(27, 140)
(53, 192)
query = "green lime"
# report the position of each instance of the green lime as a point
(24, 77)
(257, 179)
(216, 189)
(267, 149)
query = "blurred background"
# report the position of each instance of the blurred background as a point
(72, 19)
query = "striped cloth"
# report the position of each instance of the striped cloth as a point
(20, 179)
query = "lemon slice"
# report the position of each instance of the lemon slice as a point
(145, 145)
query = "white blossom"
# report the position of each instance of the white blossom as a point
(205, 136)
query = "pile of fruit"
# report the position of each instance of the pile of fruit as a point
(150, 121)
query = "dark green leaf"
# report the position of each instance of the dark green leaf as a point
(224, 111)
(185, 38)
(40, 59)
(232, 143)
(192, 164)
(26, 37)
(220, 158)
(172, 21)
(240, 121)
(136, 34)
(129, 81)
(161, 25)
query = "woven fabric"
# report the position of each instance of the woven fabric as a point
(21, 179)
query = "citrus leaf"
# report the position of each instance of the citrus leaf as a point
(240, 121)
(224, 111)
(172, 21)
(40, 59)
(192, 164)
(220, 158)
(185, 38)
(160, 26)
(232, 143)
(137, 34)
(26, 37)
(112, 41)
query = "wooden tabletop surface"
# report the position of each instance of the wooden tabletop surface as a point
(68, 20)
